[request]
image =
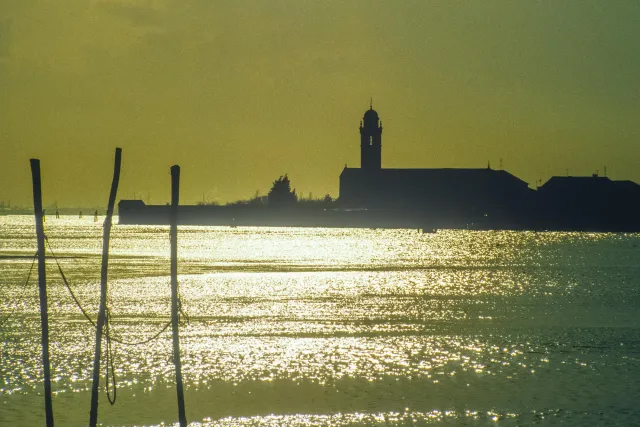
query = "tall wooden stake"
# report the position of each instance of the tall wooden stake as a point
(175, 197)
(106, 234)
(42, 285)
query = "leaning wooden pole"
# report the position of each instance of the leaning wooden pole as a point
(175, 197)
(42, 285)
(106, 235)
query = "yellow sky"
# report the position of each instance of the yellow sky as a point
(240, 92)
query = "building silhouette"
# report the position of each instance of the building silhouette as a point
(479, 198)
(485, 198)
(450, 197)
(588, 203)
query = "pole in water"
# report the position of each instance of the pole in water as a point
(175, 197)
(42, 286)
(106, 234)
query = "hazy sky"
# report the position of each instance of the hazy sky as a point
(239, 92)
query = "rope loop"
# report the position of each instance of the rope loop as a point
(109, 365)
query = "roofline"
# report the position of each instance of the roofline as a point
(447, 169)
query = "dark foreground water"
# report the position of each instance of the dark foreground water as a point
(319, 327)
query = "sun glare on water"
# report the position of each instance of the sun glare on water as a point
(338, 327)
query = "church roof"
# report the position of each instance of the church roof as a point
(440, 174)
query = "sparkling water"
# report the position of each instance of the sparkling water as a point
(329, 327)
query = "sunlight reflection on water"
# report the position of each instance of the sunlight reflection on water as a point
(333, 327)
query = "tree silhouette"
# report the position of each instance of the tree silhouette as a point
(281, 193)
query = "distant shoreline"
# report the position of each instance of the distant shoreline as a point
(136, 212)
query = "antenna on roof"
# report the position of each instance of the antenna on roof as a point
(605, 171)
(488, 164)
(371, 103)
(500, 163)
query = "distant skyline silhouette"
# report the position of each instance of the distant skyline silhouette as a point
(239, 93)
(484, 198)
(428, 199)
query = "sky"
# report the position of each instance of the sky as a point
(240, 92)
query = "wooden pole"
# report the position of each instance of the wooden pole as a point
(106, 234)
(175, 197)
(42, 286)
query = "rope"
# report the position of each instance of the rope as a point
(24, 289)
(110, 371)
(181, 311)
(66, 283)
(110, 362)
(90, 320)
(145, 341)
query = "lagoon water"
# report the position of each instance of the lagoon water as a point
(331, 327)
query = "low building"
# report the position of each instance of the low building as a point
(593, 203)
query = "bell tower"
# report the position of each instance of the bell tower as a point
(371, 140)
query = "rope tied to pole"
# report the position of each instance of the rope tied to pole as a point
(110, 371)
(102, 307)
(110, 374)
(112, 337)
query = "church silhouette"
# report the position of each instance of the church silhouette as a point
(485, 198)
(451, 197)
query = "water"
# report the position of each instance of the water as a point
(319, 327)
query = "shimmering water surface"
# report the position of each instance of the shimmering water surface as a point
(331, 327)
